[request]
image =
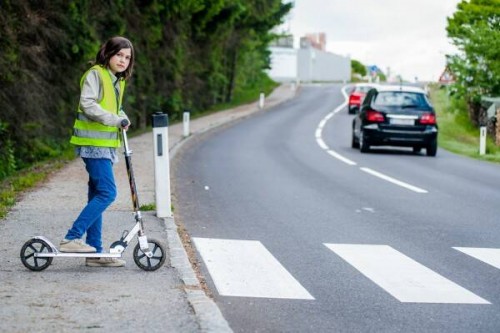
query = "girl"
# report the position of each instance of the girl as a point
(96, 136)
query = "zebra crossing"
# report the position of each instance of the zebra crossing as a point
(246, 268)
(489, 256)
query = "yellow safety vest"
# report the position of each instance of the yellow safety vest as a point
(87, 132)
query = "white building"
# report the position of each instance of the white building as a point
(316, 65)
(284, 64)
(307, 64)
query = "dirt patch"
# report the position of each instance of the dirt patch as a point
(191, 253)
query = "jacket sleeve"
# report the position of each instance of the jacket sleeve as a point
(90, 96)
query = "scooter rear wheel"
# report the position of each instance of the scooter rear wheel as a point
(156, 261)
(28, 251)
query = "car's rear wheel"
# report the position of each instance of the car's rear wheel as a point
(432, 148)
(364, 147)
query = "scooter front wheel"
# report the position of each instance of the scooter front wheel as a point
(155, 261)
(28, 251)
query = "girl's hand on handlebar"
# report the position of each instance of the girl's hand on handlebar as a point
(125, 124)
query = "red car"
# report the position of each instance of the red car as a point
(357, 95)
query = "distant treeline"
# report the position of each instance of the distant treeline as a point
(190, 54)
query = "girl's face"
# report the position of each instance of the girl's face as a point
(120, 61)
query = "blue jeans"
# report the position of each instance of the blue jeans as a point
(102, 192)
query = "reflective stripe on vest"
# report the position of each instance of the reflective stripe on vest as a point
(87, 132)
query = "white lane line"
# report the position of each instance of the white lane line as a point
(319, 133)
(321, 143)
(393, 180)
(402, 277)
(487, 255)
(246, 268)
(340, 157)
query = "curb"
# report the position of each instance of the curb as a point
(209, 316)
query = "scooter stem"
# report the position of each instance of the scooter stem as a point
(130, 171)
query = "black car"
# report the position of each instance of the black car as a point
(396, 116)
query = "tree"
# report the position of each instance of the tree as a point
(250, 37)
(189, 54)
(358, 67)
(475, 29)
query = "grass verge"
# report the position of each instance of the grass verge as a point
(12, 187)
(456, 133)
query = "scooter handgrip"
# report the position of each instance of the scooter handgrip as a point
(125, 123)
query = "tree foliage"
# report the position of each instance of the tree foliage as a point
(190, 54)
(358, 67)
(475, 30)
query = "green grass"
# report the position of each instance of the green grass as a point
(456, 133)
(12, 187)
(147, 207)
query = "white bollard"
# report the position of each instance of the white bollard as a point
(185, 121)
(162, 165)
(261, 101)
(482, 140)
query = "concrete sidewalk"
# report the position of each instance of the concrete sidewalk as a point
(68, 296)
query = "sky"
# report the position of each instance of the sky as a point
(407, 36)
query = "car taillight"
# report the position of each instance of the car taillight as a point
(428, 119)
(374, 116)
(354, 99)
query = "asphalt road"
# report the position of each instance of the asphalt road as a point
(298, 232)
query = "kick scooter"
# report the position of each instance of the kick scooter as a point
(149, 254)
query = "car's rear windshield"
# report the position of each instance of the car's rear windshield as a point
(363, 89)
(400, 98)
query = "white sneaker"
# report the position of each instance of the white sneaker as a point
(76, 245)
(104, 262)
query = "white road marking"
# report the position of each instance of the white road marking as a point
(246, 268)
(321, 143)
(340, 157)
(402, 277)
(319, 139)
(319, 133)
(487, 255)
(393, 180)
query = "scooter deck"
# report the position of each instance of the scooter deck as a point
(56, 253)
(78, 255)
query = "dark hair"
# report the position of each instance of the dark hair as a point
(112, 47)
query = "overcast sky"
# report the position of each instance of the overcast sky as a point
(409, 36)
